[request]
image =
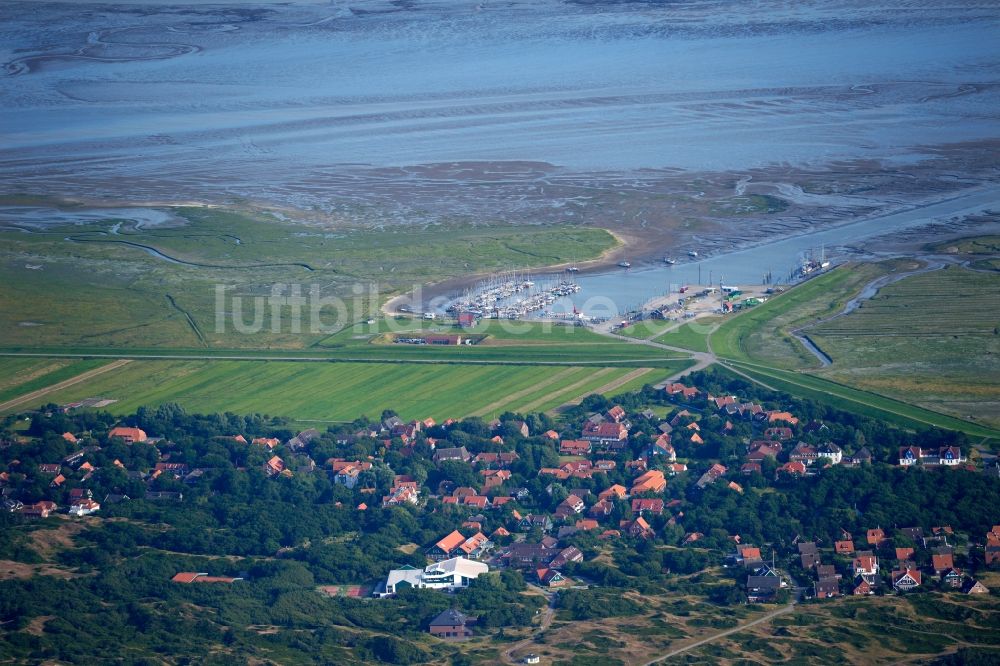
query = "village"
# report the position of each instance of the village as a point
(610, 476)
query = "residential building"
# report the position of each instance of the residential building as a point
(275, 466)
(639, 528)
(865, 564)
(830, 452)
(953, 578)
(909, 455)
(565, 556)
(459, 453)
(527, 555)
(451, 625)
(347, 473)
(905, 579)
(762, 589)
(605, 433)
(825, 588)
(650, 482)
(875, 536)
(713, 474)
(127, 435)
(651, 506)
(550, 577)
(950, 456)
(575, 447)
(942, 562)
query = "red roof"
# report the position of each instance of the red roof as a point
(943, 562)
(133, 434)
(451, 542)
(844, 547)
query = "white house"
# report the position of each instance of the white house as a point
(831, 452)
(950, 455)
(84, 507)
(449, 575)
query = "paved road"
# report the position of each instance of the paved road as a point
(702, 359)
(722, 634)
(312, 359)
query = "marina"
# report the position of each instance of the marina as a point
(610, 293)
(510, 295)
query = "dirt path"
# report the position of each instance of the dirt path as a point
(507, 400)
(722, 634)
(604, 388)
(28, 397)
(547, 616)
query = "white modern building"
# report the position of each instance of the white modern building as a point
(452, 574)
(84, 507)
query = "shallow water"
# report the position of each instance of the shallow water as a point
(255, 100)
(46, 216)
(610, 293)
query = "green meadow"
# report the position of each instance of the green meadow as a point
(859, 401)
(332, 391)
(931, 339)
(763, 334)
(86, 286)
(22, 375)
(691, 335)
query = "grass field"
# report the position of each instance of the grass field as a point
(970, 245)
(691, 335)
(762, 334)
(861, 402)
(932, 339)
(869, 630)
(333, 391)
(647, 329)
(20, 376)
(136, 299)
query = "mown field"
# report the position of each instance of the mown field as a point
(24, 375)
(932, 339)
(320, 391)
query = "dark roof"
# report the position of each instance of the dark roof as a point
(450, 618)
(807, 547)
(763, 582)
(827, 586)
